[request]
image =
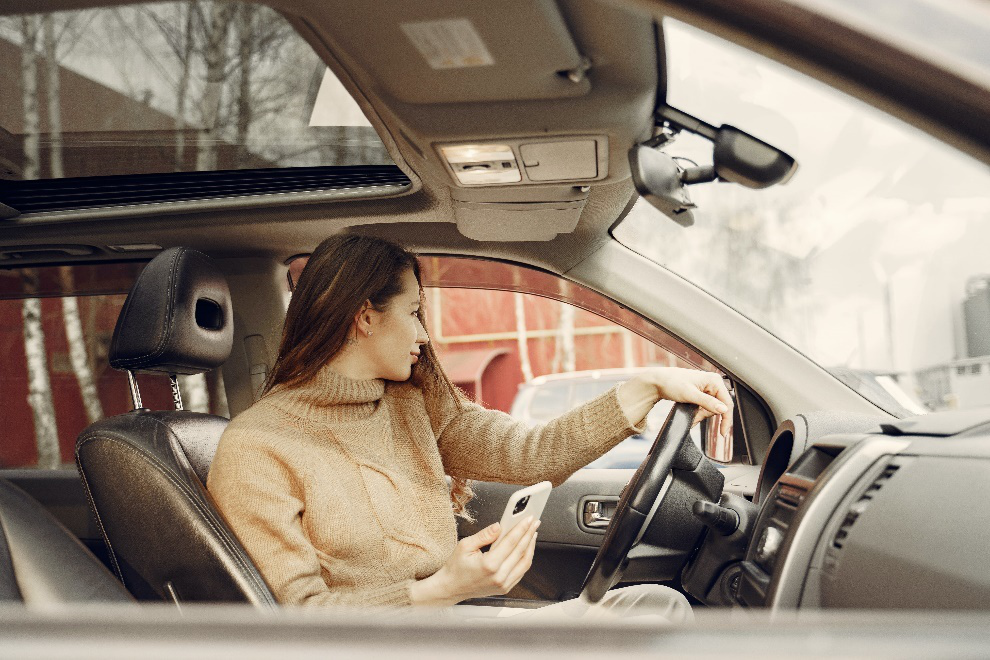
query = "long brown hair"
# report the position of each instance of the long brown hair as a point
(342, 274)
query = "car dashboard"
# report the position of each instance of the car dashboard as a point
(860, 513)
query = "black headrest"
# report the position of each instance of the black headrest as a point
(177, 318)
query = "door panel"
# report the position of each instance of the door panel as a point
(564, 550)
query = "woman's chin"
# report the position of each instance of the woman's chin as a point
(400, 375)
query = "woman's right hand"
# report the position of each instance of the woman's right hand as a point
(471, 573)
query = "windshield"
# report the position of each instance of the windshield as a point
(872, 260)
(171, 87)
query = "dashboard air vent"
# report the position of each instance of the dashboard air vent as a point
(857, 508)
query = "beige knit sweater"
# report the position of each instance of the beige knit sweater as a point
(336, 489)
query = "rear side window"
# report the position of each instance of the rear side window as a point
(56, 324)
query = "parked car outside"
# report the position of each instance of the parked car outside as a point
(546, 397)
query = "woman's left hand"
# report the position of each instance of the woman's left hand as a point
(704, 388)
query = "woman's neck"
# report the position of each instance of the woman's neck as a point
(352, 364)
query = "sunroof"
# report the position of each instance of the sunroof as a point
(198, 86)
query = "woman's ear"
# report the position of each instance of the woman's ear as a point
(364, 319)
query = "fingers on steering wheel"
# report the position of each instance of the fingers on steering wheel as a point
(713, 399)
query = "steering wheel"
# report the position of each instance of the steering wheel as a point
(632, 513)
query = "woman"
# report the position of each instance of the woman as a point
(334, 481)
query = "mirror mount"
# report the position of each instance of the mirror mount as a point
(737, 157)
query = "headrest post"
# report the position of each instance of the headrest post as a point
(135, 392)
(176, 394)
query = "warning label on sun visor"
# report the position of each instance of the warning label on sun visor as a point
(451, 43)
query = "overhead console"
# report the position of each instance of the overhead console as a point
(527, 160)
(895, 517)
(540, 213)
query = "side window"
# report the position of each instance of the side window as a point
(56, 324)
(536, 346)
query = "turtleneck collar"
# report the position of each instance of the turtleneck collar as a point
(332, 388)
(331, 397)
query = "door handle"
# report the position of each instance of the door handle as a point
(597, 515)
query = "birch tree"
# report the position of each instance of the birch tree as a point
(195, 393)
(39, 383)
(50, 44)
(184, 51)
(246, 45)
(216, 31)
(78, 355)
(29, 89)
(628, 359)
(565, 356)
(527, 369)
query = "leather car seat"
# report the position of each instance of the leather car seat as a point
(144, 471)
(42, 563)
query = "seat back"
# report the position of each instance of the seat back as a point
(143, 471)
(41, 562)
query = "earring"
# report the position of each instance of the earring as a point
(370, 333)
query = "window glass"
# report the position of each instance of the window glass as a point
(55, 378)
(869, 260)
(537, 346)
(199, 85)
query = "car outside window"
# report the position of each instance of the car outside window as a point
(546, 402)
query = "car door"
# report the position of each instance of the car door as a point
(537, 347)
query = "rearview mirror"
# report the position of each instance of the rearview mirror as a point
(741, 158)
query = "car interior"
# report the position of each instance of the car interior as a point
(518, 139)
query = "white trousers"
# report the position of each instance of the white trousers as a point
(640, 603)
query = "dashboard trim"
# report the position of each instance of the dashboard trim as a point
(786, 586)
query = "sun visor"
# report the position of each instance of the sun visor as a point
(433, 51)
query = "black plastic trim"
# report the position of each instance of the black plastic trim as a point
(47, 195)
